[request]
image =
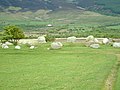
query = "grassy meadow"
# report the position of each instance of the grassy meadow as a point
(73, 67)
(117, 86)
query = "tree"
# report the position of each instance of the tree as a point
(13, 34)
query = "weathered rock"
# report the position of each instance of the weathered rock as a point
(56, 45)
(28, 42)
(41, 39)
(90, 38)
(32, 47)
(94, 45)
(17, 47)
(4, 46)
(105, 41)
(8, 43)
(116, 45)
(71, 39)
(96, 40)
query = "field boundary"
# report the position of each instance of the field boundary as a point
(111, 79)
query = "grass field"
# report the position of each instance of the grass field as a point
(117, 87)
(74, 67)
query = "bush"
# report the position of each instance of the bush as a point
(49, 38)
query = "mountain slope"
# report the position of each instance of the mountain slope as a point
(102, 6)
(27, 5)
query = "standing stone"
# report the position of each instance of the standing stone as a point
(116, 45)
(56, 45)
(71, 39)
(105, 41)
(17, 47)
(41, 39)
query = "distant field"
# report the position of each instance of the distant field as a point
(74, 67)
(72, 22)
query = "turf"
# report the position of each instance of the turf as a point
(117, 85)
(74, 67)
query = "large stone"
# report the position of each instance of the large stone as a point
(4, 46)
(105, 41)
(32, 47)
(116, 45)
(17, 47)
(71, 39)
(28, 42)
(90, 38)
(56, 45)
(8, 43)
(96, 40)
(41, 39)
(94, 45)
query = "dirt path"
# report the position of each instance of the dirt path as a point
(110, 81)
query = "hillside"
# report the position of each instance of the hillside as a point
(67, 17)
(111, 7)
(70, 22)
(102, 6)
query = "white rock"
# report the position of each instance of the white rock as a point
(32, 47)
(28, 42)
(4, 46)
(56, 45)
(8, 43)
(96, 40)
(17, 47)
(71, 39)
(90, 38)
(105, 40)
(94, 45)
(116, 45)
(41, 39)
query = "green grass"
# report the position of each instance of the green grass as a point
(74, 67)
(117, 86)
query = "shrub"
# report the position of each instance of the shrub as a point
(49, 38)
